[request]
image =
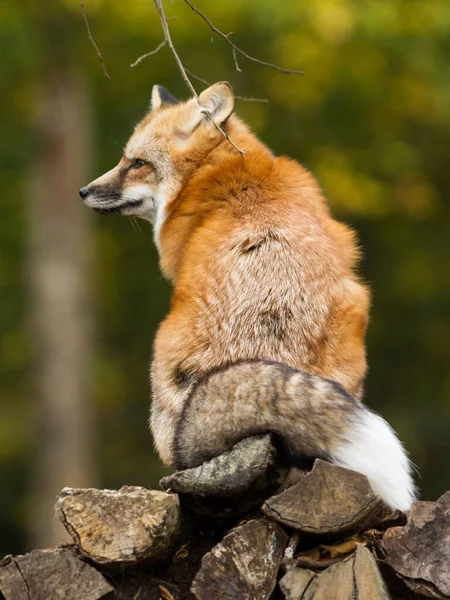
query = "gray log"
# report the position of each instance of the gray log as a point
(51, 574)
(329, 500)
(120, 527)
(244, 565)
(354, 578)
(368, 583)
(298, 584)
(250, 467)
(419, 552)
(336, 583)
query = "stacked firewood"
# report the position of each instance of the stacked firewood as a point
(242, 526)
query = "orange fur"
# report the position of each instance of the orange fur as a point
(282, 197)
(260, 269)
(266, 327)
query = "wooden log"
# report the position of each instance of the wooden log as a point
(336, 583)
(355, 578)
(197, 537)
(243, 565)
(120, 527)
(293, 476)
(250, 467)
(298, 583)
(419, 552)
(51, 574)
(330, 500)
(367, 580)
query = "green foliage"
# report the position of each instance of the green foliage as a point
(370, 117)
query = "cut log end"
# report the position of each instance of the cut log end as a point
(330, 500)
(356, 578)
(419, 552)
(120, 527)
(56, 574)
(244, 565)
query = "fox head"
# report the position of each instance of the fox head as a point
(164, 149)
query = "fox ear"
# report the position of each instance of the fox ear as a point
(218, 100)
(161, 97)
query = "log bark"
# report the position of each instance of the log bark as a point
(298, 583)
(251, 467)
(330, 500)
(244, 565)
(419, 552)
(120, 527)
(233, 483)
(336, 583)
(368, 583)
(356, 578)
(56, 574)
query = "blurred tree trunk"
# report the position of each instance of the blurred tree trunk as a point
(59, 300)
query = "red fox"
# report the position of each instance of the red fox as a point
(267, 322)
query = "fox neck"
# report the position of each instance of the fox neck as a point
(205, 191)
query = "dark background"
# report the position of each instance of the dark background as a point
(81, 294)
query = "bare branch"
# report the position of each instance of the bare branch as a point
(226, 37)
(169, 42)
(194, 76)
(236, 61)
(187, 81)
(250, 99)
(205, 82)
(147, 54)
(99, 54)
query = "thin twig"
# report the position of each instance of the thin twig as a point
(292, 546)
(187, 81)
(147, 54)
(238, 69)
(194, 76)
(99, 54)
(226, 37)
(250, 99)
(205, 82)
(168, 39)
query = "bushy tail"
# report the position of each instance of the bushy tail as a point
(313, 416)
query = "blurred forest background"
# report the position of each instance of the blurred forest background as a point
(81, 294)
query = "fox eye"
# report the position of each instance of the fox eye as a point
(138, 163)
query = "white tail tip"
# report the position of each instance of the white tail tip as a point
(372, 448)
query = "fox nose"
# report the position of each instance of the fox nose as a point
(84, 192)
